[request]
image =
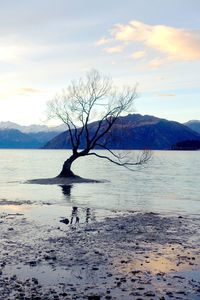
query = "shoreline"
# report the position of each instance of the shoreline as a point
(125, 256)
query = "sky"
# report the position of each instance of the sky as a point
(46, 44)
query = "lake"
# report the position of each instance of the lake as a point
(168, 184)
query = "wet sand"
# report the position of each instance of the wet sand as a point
(125, 256)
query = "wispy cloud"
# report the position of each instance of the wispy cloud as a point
(155, 63)
(138, 54)
(29, 90)
(114, 49)
(85, 69)
(159, 78)
(176, 44)
(103, 41)
(165, 95)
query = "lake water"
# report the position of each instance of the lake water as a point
(169, 183)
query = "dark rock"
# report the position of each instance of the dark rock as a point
(35, 281)
(47, 257)
(149, 294)
(32, 263)
(181, 292)
(65, 221)
(136, 272)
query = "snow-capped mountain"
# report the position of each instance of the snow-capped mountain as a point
(32, 128)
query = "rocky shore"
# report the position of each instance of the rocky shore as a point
(124, 256)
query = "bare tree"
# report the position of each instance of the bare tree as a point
(90, 98)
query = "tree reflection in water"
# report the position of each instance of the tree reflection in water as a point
(66, 189)
(86, 214)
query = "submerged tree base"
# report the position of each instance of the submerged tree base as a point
(63, 180)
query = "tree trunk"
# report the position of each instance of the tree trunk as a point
(66, 169)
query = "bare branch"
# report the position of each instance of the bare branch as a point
(143, 159)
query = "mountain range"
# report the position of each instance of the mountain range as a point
(32, 128)
(130, 132)
(15, 136)
(15, 139)
(194, 125)
(135, 132)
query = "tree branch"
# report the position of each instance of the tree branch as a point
(143, 159)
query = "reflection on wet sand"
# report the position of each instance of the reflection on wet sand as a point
(85, 214)
(79, 215)
(166, 268)
(165, 260)
(17, 207)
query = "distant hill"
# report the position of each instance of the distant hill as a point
(15, 136)
(194, 125)
(12, 138)
(15, 139)
(187, 145)
(135, 132)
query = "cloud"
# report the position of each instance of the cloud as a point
(156, 63)
(103, 41)
(29, 90)
(165, 95)
(159, 78)
(138, 54)
(175, 43)
(114, 49)
(85, 69)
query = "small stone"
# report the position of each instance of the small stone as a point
(181, 292)
(47, 257)
(65, 221)
(149, 294)
(35, 281)
(32, 263)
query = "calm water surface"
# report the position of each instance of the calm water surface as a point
(168, 184)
